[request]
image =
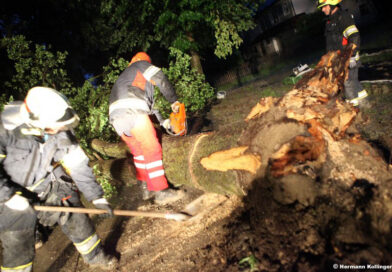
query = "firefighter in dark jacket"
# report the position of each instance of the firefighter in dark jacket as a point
(131, 103)
(340, 31)
(41, 162)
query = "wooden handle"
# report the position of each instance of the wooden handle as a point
(99, 211)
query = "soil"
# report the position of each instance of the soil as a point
(263, 231)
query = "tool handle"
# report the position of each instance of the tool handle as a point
(99, 211)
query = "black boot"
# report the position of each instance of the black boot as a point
(168, 196)
(102, 260)
(146, 194)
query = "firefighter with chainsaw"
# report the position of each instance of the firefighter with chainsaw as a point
(341, 31)
(42, 164)
(131, 104)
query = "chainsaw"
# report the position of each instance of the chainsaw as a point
(178, 124)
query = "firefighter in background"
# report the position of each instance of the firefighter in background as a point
(341, 31)
(41, 162)
(131, 103)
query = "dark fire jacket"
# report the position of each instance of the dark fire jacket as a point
(29, 161)
(134, 89)
(340, 30)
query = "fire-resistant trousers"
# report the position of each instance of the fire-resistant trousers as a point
(17, 230)
(147, 152)
(77, 227)
(352, 86)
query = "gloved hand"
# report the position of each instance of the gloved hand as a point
(17, 202)
(175, 106)
(49, 219)
(353, 62)
(102, 203)
(166, 124)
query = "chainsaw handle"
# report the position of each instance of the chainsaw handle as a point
(181, 133)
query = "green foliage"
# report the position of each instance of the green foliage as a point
(188, 25)
(34, 66)
(4, 100)
(190, 86)
(127, 25)
(378, 57)
(291, 80)
(229, 20)
(268, 92)
(92, 105)
(251, 262)
(108, 189)
(38, 66)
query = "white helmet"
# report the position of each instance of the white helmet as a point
(47, 108)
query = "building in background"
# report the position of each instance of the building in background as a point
(277, 19)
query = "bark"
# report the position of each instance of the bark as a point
(195, 61)
(181, 159)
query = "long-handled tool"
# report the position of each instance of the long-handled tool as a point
(170, 216)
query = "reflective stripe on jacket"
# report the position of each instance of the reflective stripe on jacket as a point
(340, 30)
(28, 160)
(134, 88)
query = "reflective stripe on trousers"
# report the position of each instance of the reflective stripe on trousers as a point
(88, 245)
(147, 153)
(22, 268)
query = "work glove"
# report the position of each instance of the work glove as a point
(166, 124)
(17, 202)
(353, 62)
(175, 106)
(103, 204)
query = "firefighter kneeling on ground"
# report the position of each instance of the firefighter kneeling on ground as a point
(131, 103)
(36, 145)
(341, 31)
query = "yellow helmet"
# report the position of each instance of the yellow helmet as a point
(322, 3)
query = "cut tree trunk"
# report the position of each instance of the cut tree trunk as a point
(315, 191)
(181, 159)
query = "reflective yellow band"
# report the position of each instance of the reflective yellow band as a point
(362, 94)
(3, 156)
(357, 56)
(150, 72)
(32, 188)
(88, 245)
(31, 131)
(350, 30)
(354, 102)
(129, 103)
(75, 157)
(21, 268)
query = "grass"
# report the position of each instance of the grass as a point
(385, 56)
(250, 262)
(232, 110)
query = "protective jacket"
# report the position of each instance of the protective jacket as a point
(134, 89)
(340, 31)
(29, 161)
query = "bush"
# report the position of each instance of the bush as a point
(190, 85)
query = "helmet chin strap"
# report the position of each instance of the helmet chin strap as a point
(331, 9)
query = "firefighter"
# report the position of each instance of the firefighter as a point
(130, 106)
(341, 31)
(42, 163)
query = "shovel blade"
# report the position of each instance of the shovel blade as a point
(204, 204)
